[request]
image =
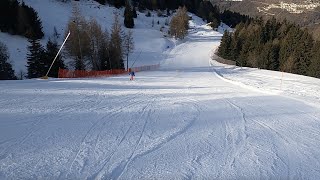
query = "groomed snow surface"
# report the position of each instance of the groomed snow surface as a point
(192, 119)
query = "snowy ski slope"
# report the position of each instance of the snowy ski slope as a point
(149, 41)
(192, 119)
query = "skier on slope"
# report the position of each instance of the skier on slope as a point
(131, 75)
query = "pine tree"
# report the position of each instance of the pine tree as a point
(128, 16)
(36, 60)
(235, 47)
(79, 64)
(224, 50)
(8, 16)
(103, 2)
(236, 42)
(116, 45)
(6, 71)
(214, 23)
(296, 49)
(153, 5)
(23, 25)
(274, 56)
(51, 51)
(269, 56)
(314, 68)
(119, 3)
(104, 54)
(303, 51)
(246, 49)
(134, 12)
(33, 24)
(142, 5)
(19, 19)
(135, 3)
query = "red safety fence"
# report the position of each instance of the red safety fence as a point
(65, 73)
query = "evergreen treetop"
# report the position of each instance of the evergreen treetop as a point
(128, 16)
(36, 60)
(272, 45)
(6, 71)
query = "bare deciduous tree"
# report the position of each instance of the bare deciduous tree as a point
(98, 39)
(128, 46)
(94, 48)
(116, 44)
(179, 24)
(78, 44)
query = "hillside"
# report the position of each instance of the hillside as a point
(192, 119)
(306, 12)
(149, 41)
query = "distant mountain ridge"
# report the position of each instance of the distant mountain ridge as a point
(306, 13)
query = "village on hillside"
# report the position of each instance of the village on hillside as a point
(290, 7)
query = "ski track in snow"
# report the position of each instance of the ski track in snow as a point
(89, 141)
(118, 171)
(36, 120)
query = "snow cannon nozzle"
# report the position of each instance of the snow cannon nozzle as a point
(44, 77)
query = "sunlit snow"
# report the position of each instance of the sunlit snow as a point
(194, 118)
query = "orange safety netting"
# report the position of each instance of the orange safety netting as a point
(65, 73)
